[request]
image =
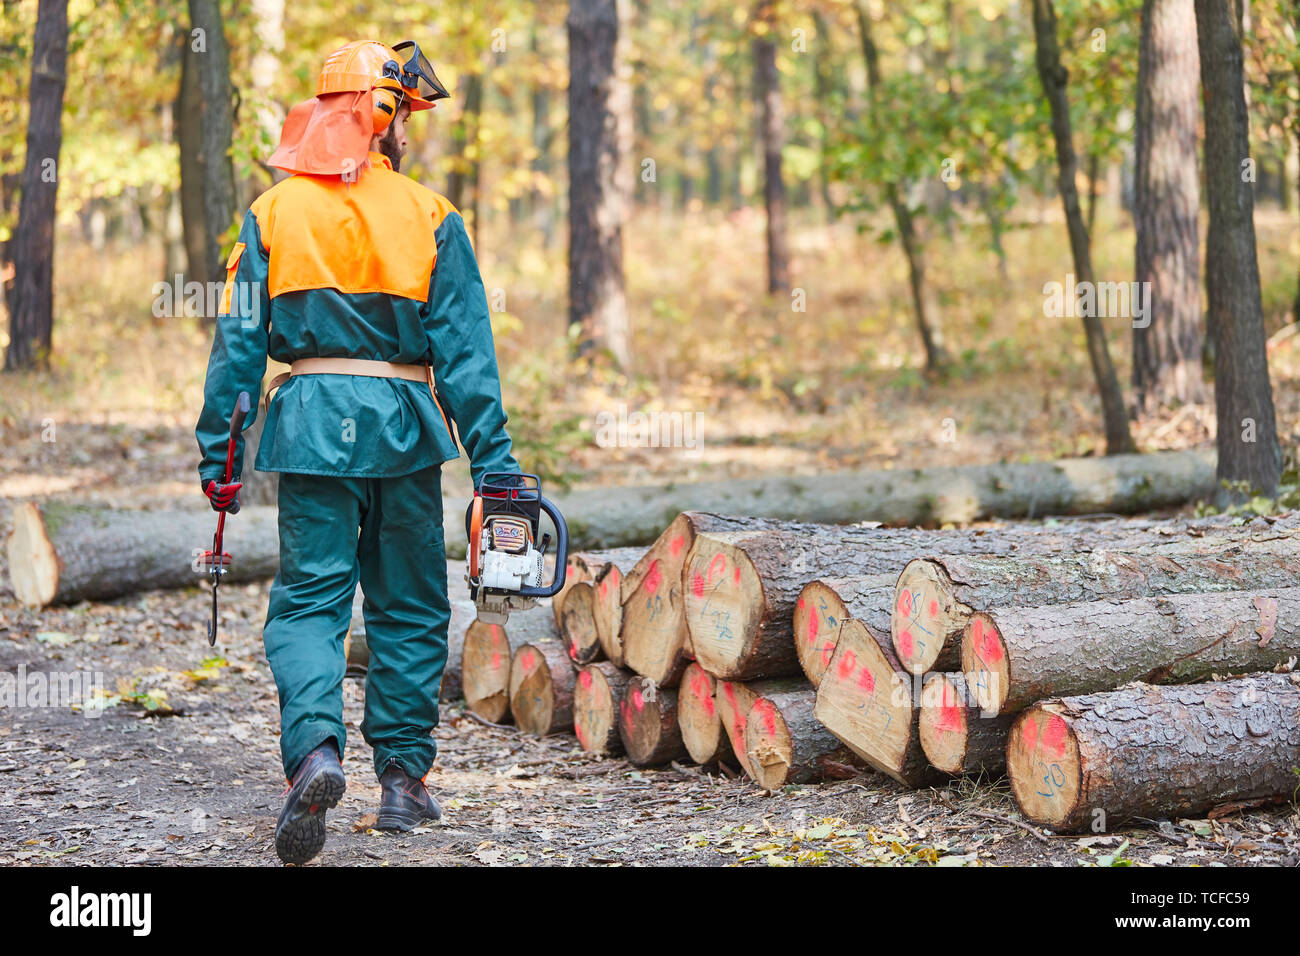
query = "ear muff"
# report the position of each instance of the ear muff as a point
(384, 105)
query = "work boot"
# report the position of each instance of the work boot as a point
(405, 803)
(317, 786)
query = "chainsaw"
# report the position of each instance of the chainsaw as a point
(504, 558)
(216, 563)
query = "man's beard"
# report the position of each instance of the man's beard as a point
(388, 146)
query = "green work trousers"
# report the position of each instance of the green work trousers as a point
(387, 533)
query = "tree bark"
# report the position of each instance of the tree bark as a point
(786, 744)
(1249, 453)
(937, 595)
(928, 323)
(486, 657)
(1014, 656)
(596, 699)
(31, 300)
(771, 137)
(622, 516)
(1054, 77)
(542, 682)
(868, 701)
(1100, 759)
(647, 722)
(1167, 349)
(597, 302)
(462, 185)
(956, 736)
(214, 121)
(703, 735)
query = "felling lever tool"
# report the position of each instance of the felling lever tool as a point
(505, 562)
(214, 563)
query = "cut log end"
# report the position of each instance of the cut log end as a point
(1043, 765)
(33, 563)
(818, 614)
(485, 670)
(541, 689)
(984, 661)
(578, 624)
(768, 745)
(943, 723)
(697, 716)
(648, 723)
(595, 710)
(724, 603)
(925, 613)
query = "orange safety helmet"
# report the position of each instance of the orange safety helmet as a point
(368, 65)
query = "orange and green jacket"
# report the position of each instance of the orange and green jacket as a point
(380, 268)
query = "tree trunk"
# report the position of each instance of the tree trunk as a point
(596, 699)
(209, 57)
(597, 302)
(542, 682)
(31, 302)
(62, 554)
(647, 722)
(786, 744)
(703, 735)
(462, 185)
(1167, 349)
(1054, 76)
(771, 137)
(936, 596)
(955, 736)
(623, 516)
(1098, 760)
(733, 700)
(653, 638)
(1249, 453)
(868, 701)
(927, 320)
(486, 658)
(1017, 655)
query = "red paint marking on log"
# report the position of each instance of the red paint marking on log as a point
(991, 647)
(604, 588)
(708, 706)
(582, 738)
(828, 651)
(934, 608)
(496, 660)
(951, 717)
(637, 699)
(768, 714)
(584, 678)
(528, 660)
(1029, 735)
(721, 562)
(867, 681)
(905, 643)
(812, 627)
(904, 602)
(676, 546)
(737, 575)
(697, 585)
(977, 630)
(1054, 736)
(847, 663)
(653, 577)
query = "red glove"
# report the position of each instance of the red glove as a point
(223, 497)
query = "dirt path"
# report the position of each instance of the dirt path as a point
(202, 784)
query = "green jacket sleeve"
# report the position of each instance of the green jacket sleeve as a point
(238, 359)
(459, 329)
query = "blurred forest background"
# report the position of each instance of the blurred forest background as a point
(827, 226)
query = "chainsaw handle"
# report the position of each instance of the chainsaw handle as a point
(561, 554)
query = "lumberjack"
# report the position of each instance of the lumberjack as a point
(365, 283)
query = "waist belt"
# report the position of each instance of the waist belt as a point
(366, 367)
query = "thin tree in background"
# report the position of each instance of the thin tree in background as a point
(1167, 351)
(597, 110)
(1054, 78)
(771, 136)
(927, 319)
(1243, 397)
(31, 304)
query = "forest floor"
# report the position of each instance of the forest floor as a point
(197, 778)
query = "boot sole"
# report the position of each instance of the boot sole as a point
(300, 834)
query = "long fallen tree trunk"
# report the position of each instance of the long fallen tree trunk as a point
(596, 699)
(610, 517)
(868, 701)
(937, 595)
(486, 655)
(1100, 759)
(1016, 656)
(647, 722)
(956, 736)
(542, 682)
(786, 744)
(697, 716)
(652, 638)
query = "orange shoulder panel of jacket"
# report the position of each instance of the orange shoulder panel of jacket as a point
(376, 234)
